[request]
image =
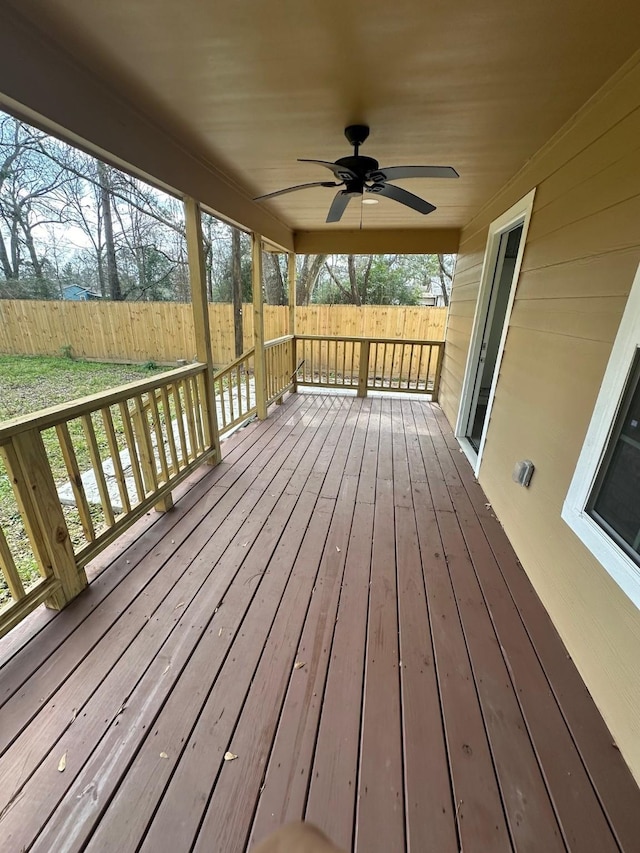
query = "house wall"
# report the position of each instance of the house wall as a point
(582, 252)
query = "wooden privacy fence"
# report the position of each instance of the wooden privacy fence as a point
(163, 331)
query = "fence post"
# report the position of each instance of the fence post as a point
(258, 327)
(363, 368)
(293, 372)
(37, 498)
(200, 306)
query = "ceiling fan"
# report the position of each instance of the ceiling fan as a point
(359, 175)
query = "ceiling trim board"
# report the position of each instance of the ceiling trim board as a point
(414, 241)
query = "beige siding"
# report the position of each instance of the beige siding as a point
(582, 252)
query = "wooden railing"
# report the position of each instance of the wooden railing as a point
(279, 367)
(369, 364)
(140, 440)
(124, 450)
(235, 392)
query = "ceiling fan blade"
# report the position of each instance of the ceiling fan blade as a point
(339, 171)
(394, 173)
(298, 187)
(403, 196)
(339, 205)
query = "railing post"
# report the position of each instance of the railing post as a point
(200, 305)
(293, 373)
(436, 379)
(35, 491)
(363, 368)
(260, 372)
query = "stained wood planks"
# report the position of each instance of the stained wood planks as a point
(429, 712)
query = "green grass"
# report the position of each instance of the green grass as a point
(28, 384)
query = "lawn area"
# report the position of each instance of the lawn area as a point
(28, 384)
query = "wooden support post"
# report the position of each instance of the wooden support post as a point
(200, 305)
(363, 369)
(260, 372)
(293, 373)
(436, 380)
(35, 490)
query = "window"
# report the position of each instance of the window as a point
(603, 503)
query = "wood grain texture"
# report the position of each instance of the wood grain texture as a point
(433, 706)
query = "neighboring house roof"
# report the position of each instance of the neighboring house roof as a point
(77, 288)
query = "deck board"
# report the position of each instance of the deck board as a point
(436, 708)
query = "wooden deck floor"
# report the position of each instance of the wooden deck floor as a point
(336, 606)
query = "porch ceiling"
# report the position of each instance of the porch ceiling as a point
(248, 88)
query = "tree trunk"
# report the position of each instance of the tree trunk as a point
(353, 280)
(115, 291)
(7, 269)
(236, 289)
(36, 263)
(307, 278)
(275, 282)
(444, 275)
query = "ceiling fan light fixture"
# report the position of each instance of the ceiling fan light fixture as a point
(359, 175)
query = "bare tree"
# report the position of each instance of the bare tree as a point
(445, 275)
(30, 199)
(307, 275)
(236, 289)
(113, 279)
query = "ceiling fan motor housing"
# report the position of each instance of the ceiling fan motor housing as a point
(357, 165)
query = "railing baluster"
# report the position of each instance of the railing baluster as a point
(230, 395)
(175, 465)
(96, 461)
(180, 416)
(9, 571)
(238, 385)
(114, 450)
(134, 458)
(75, 478)
(393, 364)
(311, 371)
(410, 367)
(191, 424)
(220, 397)
(419, 373)
(198, 411)
(143, 442)
(353, 356)
(247, 383)
(162, 452)
(428, 368)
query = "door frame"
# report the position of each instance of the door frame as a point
(519, 213)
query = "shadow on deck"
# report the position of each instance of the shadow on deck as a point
(336, 607)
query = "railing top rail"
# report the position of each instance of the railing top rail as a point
(355, 339)
(236, 361)
(281, 340)
(54, 415)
